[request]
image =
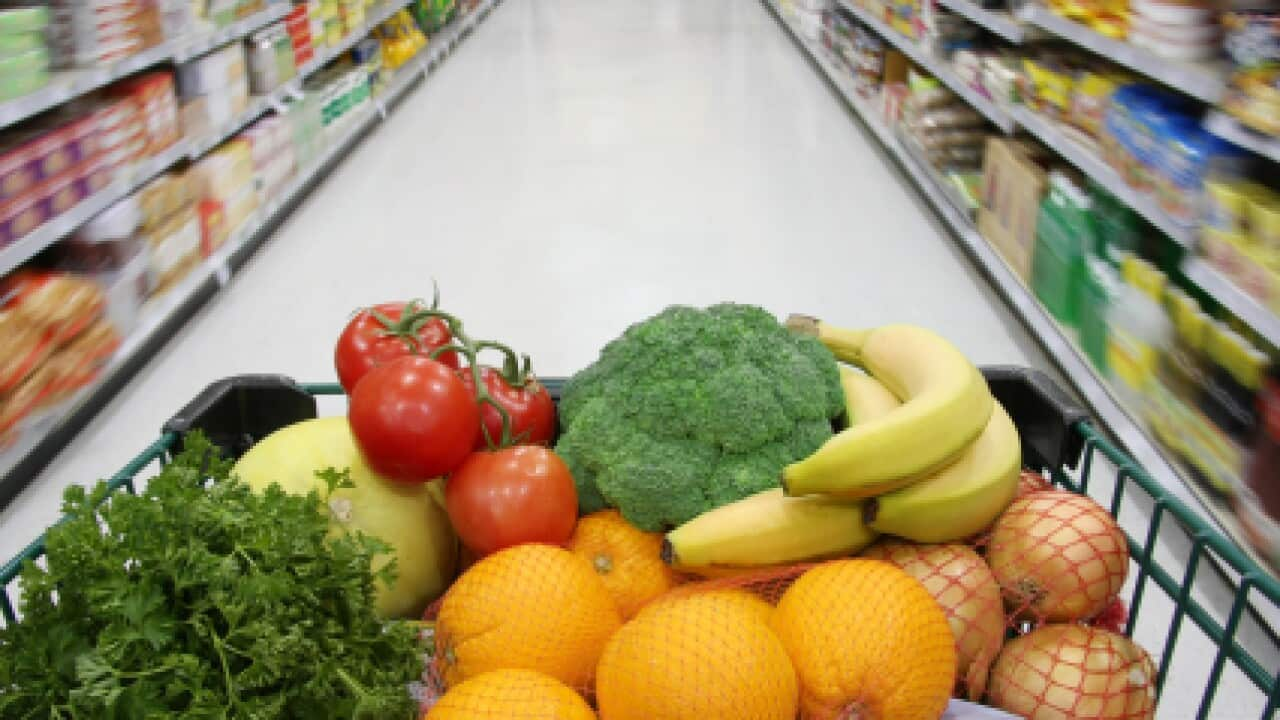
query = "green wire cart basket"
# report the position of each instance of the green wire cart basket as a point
(1203, 608)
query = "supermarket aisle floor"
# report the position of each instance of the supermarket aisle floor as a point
(577, 165)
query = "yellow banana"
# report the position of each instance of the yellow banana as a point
(770, 528)
(963, 498)
(945, 404)
(864, 397)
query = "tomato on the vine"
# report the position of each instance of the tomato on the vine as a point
(382, 333)
(530, 407)
(516, 495)
(413, 419)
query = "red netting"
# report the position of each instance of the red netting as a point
(1061, 672)
(1058, 556)
(840, 639)
(960, 581)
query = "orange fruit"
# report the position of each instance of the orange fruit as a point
(867, 641)
(506, 694)
(697, 657)
(628, 560)
(535, 607)
(715, 600)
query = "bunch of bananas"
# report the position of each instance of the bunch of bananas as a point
(929, 455)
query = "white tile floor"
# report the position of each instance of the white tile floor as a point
(576, 166)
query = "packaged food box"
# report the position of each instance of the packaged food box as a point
(164, 196)
(153, 95)
(204, 114)
(223, 173)
(19, 172)
(21, 216)
(240, 207)
(214, 230)
(174, 248)
(15, 21)
(20, 43)
(212, 72)
(18, 85)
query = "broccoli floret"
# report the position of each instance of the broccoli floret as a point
(693, 409)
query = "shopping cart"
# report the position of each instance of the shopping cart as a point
(1193, 594)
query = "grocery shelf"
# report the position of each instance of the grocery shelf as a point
(43, 436)
(937, 66)
(1205, 81)
(1000, 23)
(70, 84)
(26, 247)
(200, 45)
(376, 18)
(1228, 128)
(1253, 313)
(1089, 162)
(1056, 342)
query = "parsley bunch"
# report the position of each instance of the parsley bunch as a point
(197, 600)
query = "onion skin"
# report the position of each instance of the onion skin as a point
(963, 585)
(1062, 672)
(1058, 556)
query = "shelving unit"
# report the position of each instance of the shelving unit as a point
(998, 115)
(1227, 127)
(1057, 342)
(1000, 23)
(1241, 304)
(16, 253)
(65, 86)
(22, 461)
(1204, 81)
(1091, 163)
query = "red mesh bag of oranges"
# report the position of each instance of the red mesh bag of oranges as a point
(1022, 617)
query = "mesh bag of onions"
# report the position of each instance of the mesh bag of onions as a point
(1025, 618)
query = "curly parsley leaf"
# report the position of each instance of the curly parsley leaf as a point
(199, 598)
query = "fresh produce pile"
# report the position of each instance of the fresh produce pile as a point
(731, 517)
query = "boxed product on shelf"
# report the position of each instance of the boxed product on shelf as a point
(92, 32)
(24, 53)
(273, 154)
(122, 131)
(206, 114)
(271, 59)
(223, 172)
(174, 248)
(165, 195)
(306, 127)
(49, 166)
(1013, 183)
(211, 71)
(1184, 31)
(154, 96)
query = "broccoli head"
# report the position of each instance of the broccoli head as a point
(693, 409)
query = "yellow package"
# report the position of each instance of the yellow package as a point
(1089, 98)
(1053, 87)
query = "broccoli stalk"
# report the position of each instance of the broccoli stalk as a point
(693, 409)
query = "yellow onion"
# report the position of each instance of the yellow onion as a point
(1058, 556)
(1061, 672)
(963, 585)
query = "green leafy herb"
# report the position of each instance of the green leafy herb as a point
(203, 599)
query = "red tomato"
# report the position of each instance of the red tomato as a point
(413, 419)
(516, 495)
(533, 413)
(369, 340)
